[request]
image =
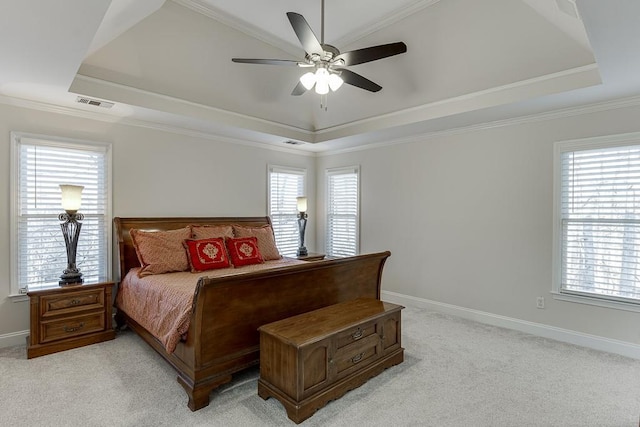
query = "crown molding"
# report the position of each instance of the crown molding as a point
(562, 113)
(548, 84)
(105, 116)
(117, 92)
(146, 124)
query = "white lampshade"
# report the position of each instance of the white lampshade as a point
(308, 80)
(335, 81)
(71, 197)
(322, 81)
(302, 203)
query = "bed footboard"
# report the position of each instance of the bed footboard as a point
(228, 311)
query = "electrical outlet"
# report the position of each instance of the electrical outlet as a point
(540, 302)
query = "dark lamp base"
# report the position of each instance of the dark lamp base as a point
(72, 280)
(302, 251)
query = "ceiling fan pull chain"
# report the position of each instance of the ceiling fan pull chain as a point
(323, 102)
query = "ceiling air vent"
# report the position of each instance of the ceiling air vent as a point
(94, 102)
(294, 142)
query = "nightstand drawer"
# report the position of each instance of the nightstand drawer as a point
(54, 305)
(71, 327)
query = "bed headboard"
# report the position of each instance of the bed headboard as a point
(126, 251)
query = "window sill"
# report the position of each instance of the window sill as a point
(18, 297)
(580, 299)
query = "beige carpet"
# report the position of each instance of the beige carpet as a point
(456, 373)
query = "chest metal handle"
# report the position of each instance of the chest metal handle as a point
(357, 334)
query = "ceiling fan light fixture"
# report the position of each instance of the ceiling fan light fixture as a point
(322, 81)
(308, 80)
(335, 81)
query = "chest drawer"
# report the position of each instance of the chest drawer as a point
(356, 355)
(355, 333)
(73, 302)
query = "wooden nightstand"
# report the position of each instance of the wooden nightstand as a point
(67, 317)
(311, 257)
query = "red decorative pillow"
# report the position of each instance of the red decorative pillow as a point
(206, 254)
(244, 251)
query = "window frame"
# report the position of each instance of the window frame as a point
(561, 147)
(17, 293)
(338, 171)
(293, 171)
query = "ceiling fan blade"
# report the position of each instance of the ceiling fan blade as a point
(269, 62)
(305, 34)
(299, 89)
(372, 53)
(355, 79)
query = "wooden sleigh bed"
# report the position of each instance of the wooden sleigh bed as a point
(222, 336)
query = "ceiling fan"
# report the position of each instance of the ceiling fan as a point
(326, 61)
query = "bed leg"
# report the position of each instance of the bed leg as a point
(120, 321)
(199, 394)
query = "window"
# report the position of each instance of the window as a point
(38, 252)
(597, 219)
(342, 212)
(285, 184)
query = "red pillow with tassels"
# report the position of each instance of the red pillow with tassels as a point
(207, 254)
(244, 251)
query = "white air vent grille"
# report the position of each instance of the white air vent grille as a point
(94, 102)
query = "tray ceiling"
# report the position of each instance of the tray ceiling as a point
(169, 62)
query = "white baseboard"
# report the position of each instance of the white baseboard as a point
(578, 338)
(14, 338)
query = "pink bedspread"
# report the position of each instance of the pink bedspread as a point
(161, 303)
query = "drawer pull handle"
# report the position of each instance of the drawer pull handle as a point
(357, 358)
(357, 334)
(75, 301)
(73, 329)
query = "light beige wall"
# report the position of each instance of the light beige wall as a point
(467, 216)
(154, 174)
(468, 219)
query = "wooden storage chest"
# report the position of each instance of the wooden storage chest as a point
(310, 359)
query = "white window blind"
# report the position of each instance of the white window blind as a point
(600, 222)
(342, 212)
(285, 184)
(39, 252)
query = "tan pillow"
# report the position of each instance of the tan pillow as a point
(266, 240)
(161, 251)
(200, 232)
